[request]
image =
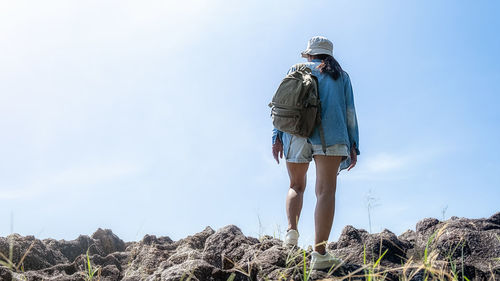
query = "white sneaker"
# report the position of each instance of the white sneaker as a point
(291, 238)
(319, 261)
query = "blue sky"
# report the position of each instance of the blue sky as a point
(151, 116)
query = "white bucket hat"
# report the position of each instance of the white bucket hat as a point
(318, 45)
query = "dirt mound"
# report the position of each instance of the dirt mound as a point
(456, 246)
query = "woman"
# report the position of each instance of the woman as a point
(341, 135)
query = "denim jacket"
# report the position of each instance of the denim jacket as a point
(338, 114)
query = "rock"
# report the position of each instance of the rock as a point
(197, 269)
(351, 236)
(108, 241)
(471, 244)
(408, 236)
(198, 240)
(5, 274)
(426, 225)
(72, 249)
(388, 243)
(226, 246)
(151, 239)
(110, 273)
(495, 219)
(39, 255)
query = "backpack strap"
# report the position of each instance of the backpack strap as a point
(321, 130)
(301, 66)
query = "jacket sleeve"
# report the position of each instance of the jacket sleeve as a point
(277, 134)
(352, 121)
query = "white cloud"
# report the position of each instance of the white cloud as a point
(397, 165)
(385, 162)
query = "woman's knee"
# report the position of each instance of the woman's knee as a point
(298, 186)
(298, 176)
(325, 188)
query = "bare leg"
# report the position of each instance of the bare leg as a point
(297, 173)
(326, 185)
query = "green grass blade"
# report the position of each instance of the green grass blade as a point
(306, 275)
(380, 258)
(364, 254)
(426, 251)
(231, 277)
(89, 266)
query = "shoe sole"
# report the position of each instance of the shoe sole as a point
(287, 245)
(324, 264)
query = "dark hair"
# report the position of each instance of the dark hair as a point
(329, 65)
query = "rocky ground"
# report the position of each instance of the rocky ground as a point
(459, 245)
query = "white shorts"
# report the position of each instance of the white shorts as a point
(301, 151)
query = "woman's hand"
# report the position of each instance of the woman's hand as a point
(277, 150)
(354, 157)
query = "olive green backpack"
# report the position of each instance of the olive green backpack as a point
(296, 107)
